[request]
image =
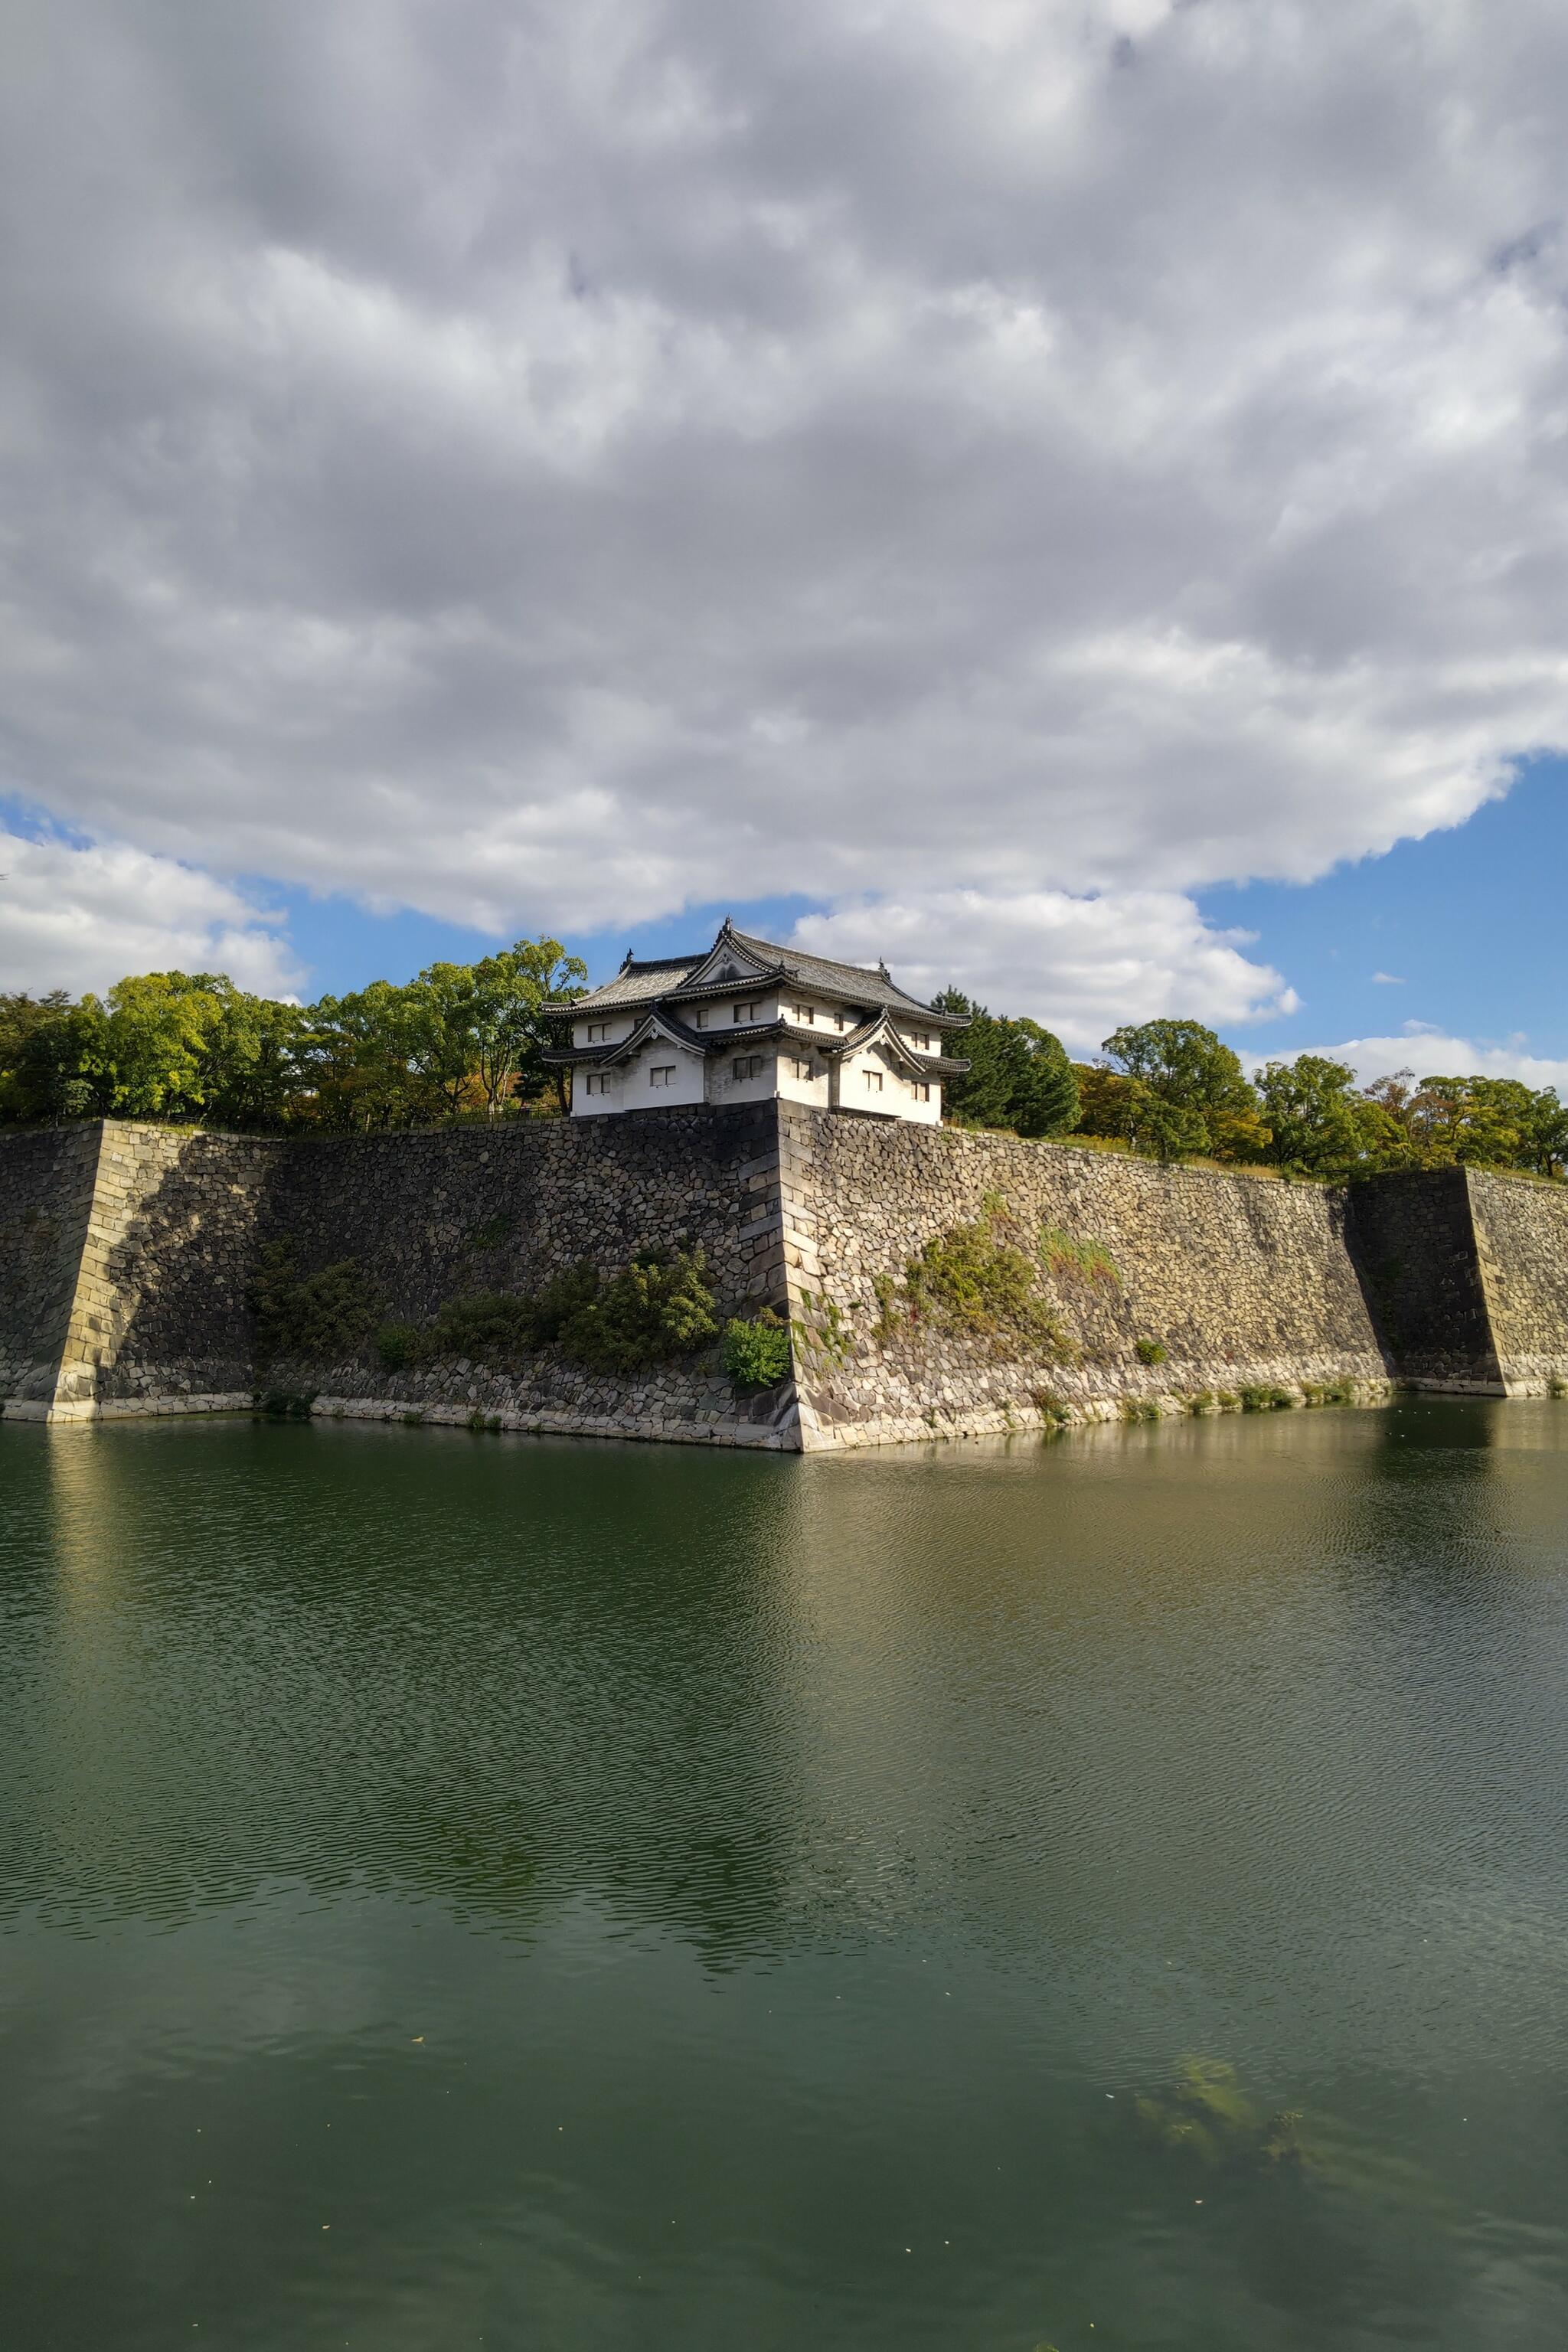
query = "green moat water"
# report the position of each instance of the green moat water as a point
(480, 1892)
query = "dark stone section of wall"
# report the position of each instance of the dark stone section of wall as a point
(1522, 1234)
(433, 1217)
(1243, 1281)
(1415, 1245)
(46, 1197)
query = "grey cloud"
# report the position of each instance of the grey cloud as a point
(541, 465)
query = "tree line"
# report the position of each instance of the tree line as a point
(1172, 1090)
(460, 1041)
(466, 1042)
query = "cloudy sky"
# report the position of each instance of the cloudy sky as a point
(1071, 495)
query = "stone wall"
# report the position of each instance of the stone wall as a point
(1414, 1243)
(161, 1311)
(1521, 1236)
(1240, 1282)
(47, 1178)
(434, 1217)
(127, 1253)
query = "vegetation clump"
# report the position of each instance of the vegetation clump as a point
(1204, 2117)
(1090, 1259)
(1204, 2112)
(1149, 1351)
(323, 1318)
(1263, 1396)
(1322, 1392)
(658, 1306)
(497, 1326)
(286, 1404)
(756, 1355)
(978, 1280)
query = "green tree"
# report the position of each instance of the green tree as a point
(1490, 1123)
(507, 1029)
(153, 1053)
(34, 1049)
(1321, 1125)
(360, 1053)
(1189, 1093)
(1019, 1076)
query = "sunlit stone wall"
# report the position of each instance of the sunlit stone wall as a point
(1238, 1282)
(1522, 1231)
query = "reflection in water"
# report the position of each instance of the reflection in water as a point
(782, 1865)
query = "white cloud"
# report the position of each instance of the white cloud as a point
(80, 917)
(1081, 965)
(549, 464)
(1387, 979)
(1430, 1052)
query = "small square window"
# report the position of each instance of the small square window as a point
(597, 1032)
(873, 1082)
(702, 1016)
(662, 1075)
(748, 1065)
(597, 1083)
(804, 1013)
(745, 1013)
(921, 1090)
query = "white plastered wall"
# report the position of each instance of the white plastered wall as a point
(895, 1099)
(631, 1086)
(724, 1086)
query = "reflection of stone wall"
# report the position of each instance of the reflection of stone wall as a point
(126, 1253)
(1243, 1281)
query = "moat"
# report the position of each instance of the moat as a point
(483, 1891)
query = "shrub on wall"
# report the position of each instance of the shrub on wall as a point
(756, 1355)
(322, 1317)
(658, 1308)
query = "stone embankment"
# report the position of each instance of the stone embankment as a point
(128, 1253)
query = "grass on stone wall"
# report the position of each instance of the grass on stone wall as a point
(1090, 1259)
(1263, 1396)
(978, 1281)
